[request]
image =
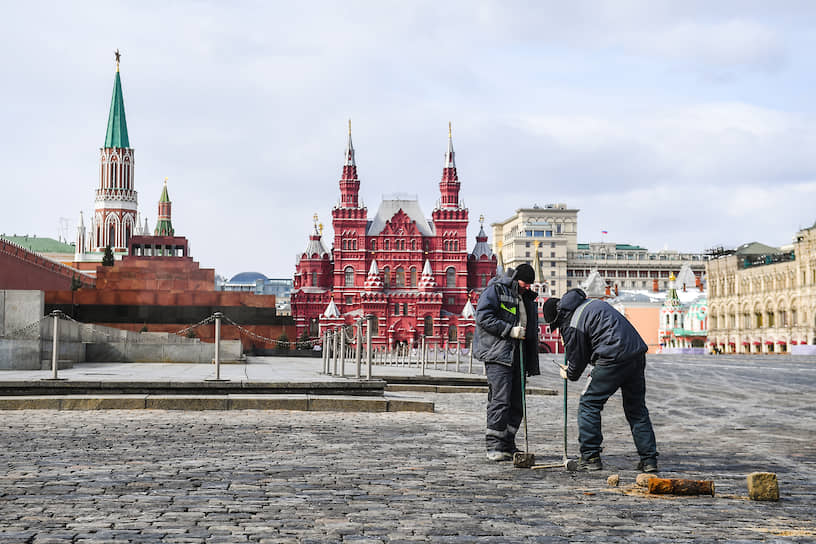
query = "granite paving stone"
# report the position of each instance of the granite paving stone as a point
(289, 476)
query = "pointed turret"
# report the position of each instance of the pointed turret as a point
(468, 312)
(539, 274)
(449, 186)
(482, 248)
(331, 310)
(116, 202)
(117, 134)
(672, 299)
(349, 183)
(427, 281)
(164, 225)
(79, 249)
(373, 282)
(315, 247)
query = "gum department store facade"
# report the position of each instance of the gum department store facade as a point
(763, 299)
(412, 273)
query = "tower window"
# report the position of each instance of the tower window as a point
(400, 277)
(413, 277)
(450, 277)
(349, 276)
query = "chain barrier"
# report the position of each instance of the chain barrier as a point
(201, 323)
(309, 343)
(28, 329)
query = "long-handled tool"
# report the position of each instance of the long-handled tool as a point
(523, 459)
(567, 463)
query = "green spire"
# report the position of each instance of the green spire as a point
(164, 196)
(117, 135)
(164, 226)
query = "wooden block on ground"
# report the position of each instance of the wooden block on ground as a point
(671, 486)
(613, 480)
(763, 486)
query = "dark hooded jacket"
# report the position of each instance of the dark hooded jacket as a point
(595, 333)
(496, 314)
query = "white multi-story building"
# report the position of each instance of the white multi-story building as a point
(563, 263)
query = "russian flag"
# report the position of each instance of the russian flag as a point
(604, 232)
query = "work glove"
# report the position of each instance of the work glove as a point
(517, 332)
(563, 371)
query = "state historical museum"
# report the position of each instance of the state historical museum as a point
(412, 273)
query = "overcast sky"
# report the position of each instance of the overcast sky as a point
(680, 124)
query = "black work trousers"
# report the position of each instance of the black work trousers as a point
(504, 406)
(604, 380)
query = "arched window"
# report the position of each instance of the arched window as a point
(349, 276)
(428, 325)
(450, 277)
(386, 245)
(314, 278)
(452, 333)
(413, 244)
(375, 327)
(400, 277)
(468, 339)
(314, 329)
(112, 236)
(374, 244)
(387, 277)
(413, 277)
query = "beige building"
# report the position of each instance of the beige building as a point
(552, 231)
(762, 299)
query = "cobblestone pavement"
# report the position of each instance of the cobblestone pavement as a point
(275, 476)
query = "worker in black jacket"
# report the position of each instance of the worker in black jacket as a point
(506, 336)
(595, 333)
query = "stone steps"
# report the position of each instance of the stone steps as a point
(311, 403)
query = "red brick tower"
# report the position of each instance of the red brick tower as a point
(450, 219)
(115, 207)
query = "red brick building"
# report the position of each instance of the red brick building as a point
(413, 273)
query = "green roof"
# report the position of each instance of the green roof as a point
(117, 135)
(629, 247)
(164, 196)
(40, 245)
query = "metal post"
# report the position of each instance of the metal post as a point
(359, 355)
(422, 356)
(458, 352)
(217, 316)
(436, 356)
(470, 364)
(368, 347)
(335, 345)
(325, 352)
(56, 314)
(343, 348)
(445, 349)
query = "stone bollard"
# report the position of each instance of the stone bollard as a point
(763, 486)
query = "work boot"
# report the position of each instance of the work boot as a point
(647, 465)
(499, 456)
(592, 462)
